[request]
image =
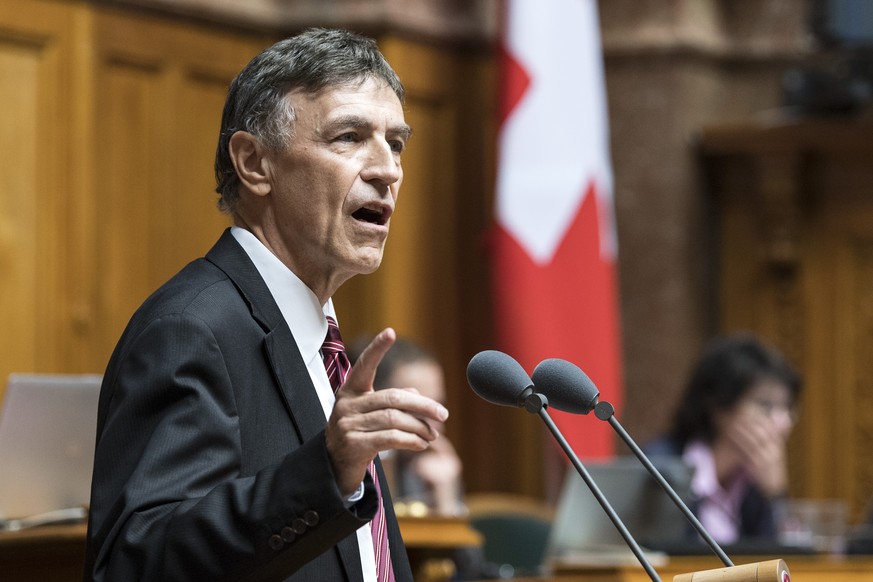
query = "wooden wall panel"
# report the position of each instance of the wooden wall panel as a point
(839, 423)
(795, 208)
(128, 175)
(161, 88)
(861, 492)
(115, 192)
(34, 130)
(108, 132)
(191, 217)
(19, 197)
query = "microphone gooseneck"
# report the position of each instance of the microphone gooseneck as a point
(566, 386)
(605, 411)
(589, 481)
(499, 379)
(570, 383)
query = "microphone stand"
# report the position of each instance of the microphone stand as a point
(537, 403)
(606, 411)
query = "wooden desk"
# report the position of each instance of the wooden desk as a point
(430, 533)
(431, 543)
(803, 569)
(50, 553)
(56, 553)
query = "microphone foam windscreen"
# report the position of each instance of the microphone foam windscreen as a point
(565, 385)
(497, 378)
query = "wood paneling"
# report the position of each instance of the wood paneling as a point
(108, 132)
(795, 207)
(109, 127)
(160, 88)
(36, 196)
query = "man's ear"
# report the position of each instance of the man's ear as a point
(249, 159)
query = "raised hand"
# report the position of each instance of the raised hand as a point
(761, 448)
(365, 421)
(440, 469)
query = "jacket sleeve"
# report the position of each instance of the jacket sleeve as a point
(169, 499)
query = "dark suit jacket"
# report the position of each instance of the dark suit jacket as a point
(211, 461)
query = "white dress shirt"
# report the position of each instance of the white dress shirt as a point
(307, 319)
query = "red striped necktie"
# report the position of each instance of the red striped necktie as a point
(337, 365)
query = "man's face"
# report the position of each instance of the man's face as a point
(334, 187)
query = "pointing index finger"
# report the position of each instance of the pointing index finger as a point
(363, 372)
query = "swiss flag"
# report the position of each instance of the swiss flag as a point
(555, 249)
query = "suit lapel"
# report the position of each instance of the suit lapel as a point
(297, 391)
(291, 372)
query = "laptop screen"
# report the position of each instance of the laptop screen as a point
(47, 432)
(581, 526)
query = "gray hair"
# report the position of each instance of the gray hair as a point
(256, 100)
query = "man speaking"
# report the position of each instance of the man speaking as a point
(233, 440)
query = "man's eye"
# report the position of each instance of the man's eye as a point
(397, 145)
(348, 137)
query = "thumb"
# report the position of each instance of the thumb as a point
(362, 374)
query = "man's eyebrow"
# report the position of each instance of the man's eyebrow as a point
(403, 131)
(356, 122)
(352, 121)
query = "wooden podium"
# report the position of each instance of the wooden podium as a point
(805, 568)
(768, 571)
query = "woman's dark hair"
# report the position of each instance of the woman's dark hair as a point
(727, 369)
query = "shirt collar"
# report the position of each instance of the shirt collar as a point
(705, 483)
(298, 304)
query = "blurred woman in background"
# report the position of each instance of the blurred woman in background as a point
(732, 426)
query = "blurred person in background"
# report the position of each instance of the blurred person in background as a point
(732, 427)
(428, 482)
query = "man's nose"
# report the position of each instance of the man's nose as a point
(383, 164)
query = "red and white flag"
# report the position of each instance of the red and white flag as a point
(555, 253)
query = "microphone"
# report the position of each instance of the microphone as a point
(576, 393)
(499, 379)
(566, 386)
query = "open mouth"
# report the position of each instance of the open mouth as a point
(373, 213)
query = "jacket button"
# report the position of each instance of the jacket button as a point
(276, 542)
(298, 525)
(311, 518)
(287, 535)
